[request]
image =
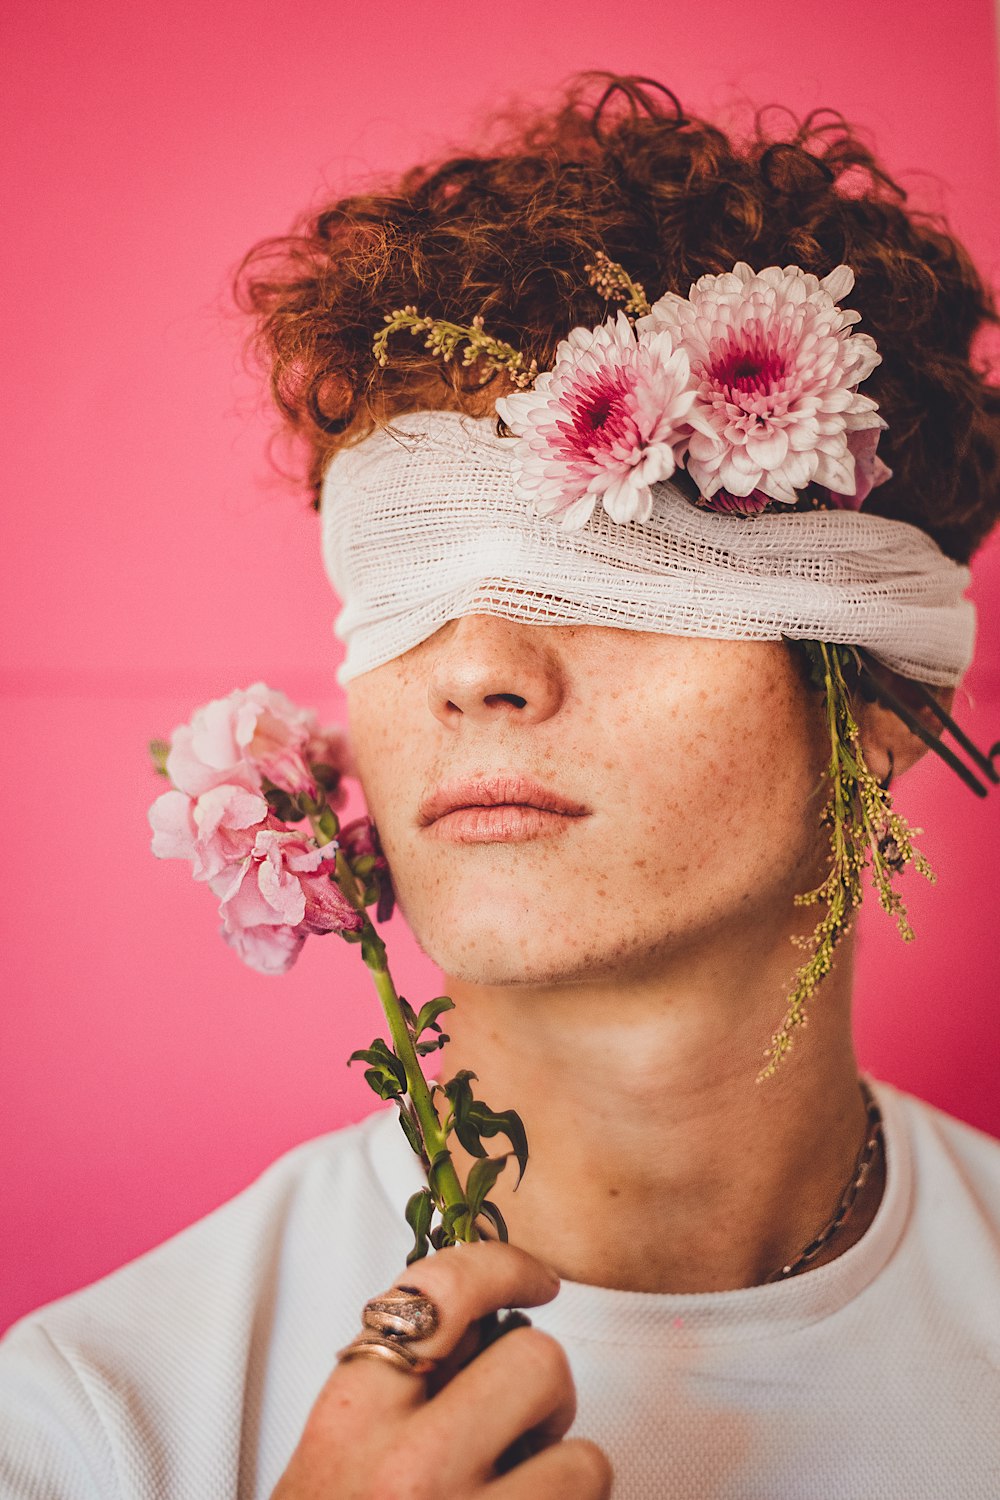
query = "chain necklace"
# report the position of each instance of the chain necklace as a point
(862, 1167)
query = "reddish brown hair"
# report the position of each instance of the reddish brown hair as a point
(618, 165)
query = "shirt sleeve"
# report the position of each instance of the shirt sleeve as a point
(53, 1445)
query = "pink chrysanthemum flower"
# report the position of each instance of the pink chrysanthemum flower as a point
(603, 423)
(775, 365)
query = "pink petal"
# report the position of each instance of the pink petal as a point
(171, 819)
(327, 909)
(269, 950)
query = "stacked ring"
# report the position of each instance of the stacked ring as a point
(400, 1314)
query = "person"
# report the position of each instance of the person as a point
(597, 822)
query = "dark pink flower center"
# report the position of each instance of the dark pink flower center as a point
(749, 367)
(599, 414)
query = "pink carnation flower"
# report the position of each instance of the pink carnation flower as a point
(253, 733)
(775, 366)
(278, 894)
(603, 423)
(213, 831)
(269, 950)
(275, 884)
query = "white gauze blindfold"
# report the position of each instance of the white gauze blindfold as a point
(421, 525)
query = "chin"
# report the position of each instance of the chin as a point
(535, 949)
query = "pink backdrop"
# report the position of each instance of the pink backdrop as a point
(153, 560)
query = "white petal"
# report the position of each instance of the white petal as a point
(836, 474)
(777, 487)
(705, 477)
(624, 499)
(798, 468)
(767, 448)
(838, 282)
(576, 516)
(735, 477)
(655, 463)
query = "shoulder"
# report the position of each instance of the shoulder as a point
(949, 1153)
(179, 1341)
(224, 1251)
(954, 1200)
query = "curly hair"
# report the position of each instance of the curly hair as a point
(506, 235)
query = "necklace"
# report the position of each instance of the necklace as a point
(862, 1167)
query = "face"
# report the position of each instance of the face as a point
(694, 766)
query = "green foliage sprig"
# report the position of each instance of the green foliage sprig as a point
(611, 280)
(443, 339)
(393, 1074)
(863, 827)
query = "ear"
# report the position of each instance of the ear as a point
(887, 743)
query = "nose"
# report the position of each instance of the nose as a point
(486, 665)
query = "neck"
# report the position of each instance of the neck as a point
(657, 1163)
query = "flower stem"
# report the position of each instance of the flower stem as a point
(443, 1179)
(445, 1183)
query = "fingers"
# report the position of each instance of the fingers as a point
(574, 1469)
(465, 1283)
(522, 1383)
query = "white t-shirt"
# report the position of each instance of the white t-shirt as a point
(188, 1374)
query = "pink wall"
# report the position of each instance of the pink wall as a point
(153, 560)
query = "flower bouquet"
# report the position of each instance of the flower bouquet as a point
(256, 785)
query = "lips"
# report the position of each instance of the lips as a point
(497, 791)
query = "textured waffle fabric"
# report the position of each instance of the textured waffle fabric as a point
(188, 1374)
(423, 524)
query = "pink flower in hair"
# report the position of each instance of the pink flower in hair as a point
(603, 424)
(869, 470)
(776, 368)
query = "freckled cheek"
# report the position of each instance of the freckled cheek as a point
(721, 774)
(379, 739)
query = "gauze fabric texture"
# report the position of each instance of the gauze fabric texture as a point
(421, 524)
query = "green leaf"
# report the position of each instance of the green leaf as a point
(159, 750)
(444, 1155)
(412, 1131)
(381, 1056)
(409, 1013)
(482, 1175)
(459, 1091)
(463, 1077)
(451, 1216)
(419, 1211)
(430, 1012)
(423, 1048)
(487, 1122)
(496, 1217)
(383, 1083)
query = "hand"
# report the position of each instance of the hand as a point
(377, 1433)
